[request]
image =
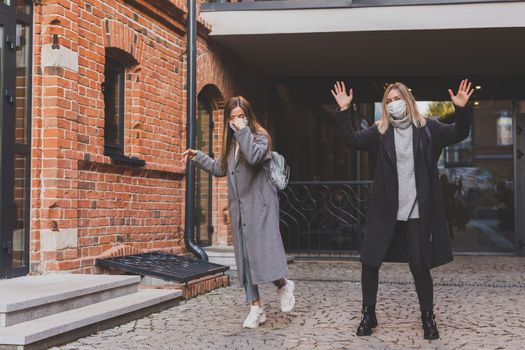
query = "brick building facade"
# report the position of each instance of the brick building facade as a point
(68, 195)
(83, 201)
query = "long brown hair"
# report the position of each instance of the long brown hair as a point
(228, 140)
(418, 119)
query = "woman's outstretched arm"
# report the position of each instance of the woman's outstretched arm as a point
(204, 162)
(448, 134)
(366, 140)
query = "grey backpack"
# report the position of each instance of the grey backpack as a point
(278, 171)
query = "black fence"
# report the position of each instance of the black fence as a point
(324, 219)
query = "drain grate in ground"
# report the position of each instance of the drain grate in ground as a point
(169, 267)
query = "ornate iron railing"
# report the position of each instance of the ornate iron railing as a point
(324, 219)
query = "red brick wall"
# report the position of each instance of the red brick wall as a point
(82, 204)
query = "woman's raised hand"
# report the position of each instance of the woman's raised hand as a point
(188, 154)
(342, 99)
(464, 93)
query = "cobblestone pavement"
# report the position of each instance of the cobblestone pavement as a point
(480, 304)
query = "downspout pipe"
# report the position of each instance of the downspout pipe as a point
(191, 108)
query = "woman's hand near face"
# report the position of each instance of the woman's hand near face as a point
(342, 99)
(463, 95)
(188, 154)
(240, 123)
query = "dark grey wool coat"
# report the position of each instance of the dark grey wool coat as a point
(252, 201)
(379, 242)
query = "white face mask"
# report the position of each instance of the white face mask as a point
(243, 124)
(397, 109)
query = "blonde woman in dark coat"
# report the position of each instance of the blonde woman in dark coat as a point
(406, 215)
(253, 206)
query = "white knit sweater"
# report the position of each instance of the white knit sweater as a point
(407, 192)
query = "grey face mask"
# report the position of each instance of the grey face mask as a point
(397, 109)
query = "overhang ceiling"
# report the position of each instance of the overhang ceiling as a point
(452, 52)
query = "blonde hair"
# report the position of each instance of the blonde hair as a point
(255, 126)
(418, 119)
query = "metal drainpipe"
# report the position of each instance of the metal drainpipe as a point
(191, 107)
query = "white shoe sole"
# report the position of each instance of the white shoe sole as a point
(261, 321)
(288, 308)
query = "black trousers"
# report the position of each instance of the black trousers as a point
(420, 272)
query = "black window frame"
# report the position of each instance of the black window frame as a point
(116, 151)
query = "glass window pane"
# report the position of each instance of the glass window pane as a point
(20, 224)
(22, 83)
(113, 91)
(479, 196)
(23, 6)
(203, 127)
(7, 2)
(1, 87)
(203, 183)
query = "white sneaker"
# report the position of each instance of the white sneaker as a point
(255, 317)
(286, 296)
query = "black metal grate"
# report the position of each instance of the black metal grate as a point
(168, 267)
(324, 219)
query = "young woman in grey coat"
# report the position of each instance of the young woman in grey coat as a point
(406, 214)
(253, 205)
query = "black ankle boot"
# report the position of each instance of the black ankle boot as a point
(368, 321)
(429, 325)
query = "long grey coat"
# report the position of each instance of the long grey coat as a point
(253, 201)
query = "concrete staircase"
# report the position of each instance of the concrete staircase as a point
(37, 312)
(223, 255)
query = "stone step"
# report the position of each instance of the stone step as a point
(39, 330)
(227, 261)
(219, 251)
(223, 255)
(31, 297)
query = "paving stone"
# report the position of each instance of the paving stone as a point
(479, 304)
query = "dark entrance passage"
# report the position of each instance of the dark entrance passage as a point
(323, 212)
